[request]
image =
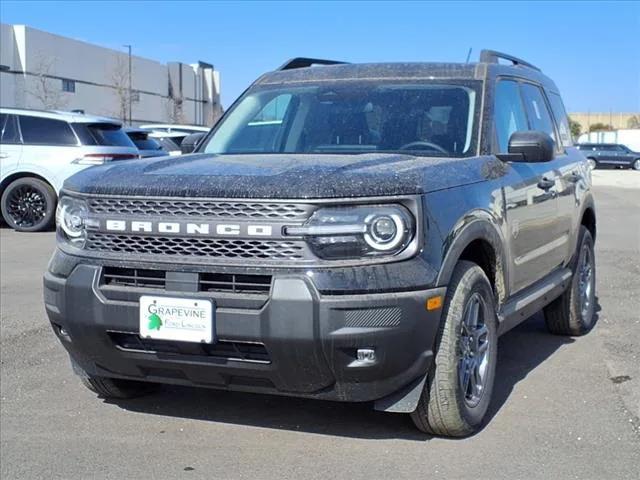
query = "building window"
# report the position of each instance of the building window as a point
(68, 86)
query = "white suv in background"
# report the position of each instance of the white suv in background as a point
(40, 149)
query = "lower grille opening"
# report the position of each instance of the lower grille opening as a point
(234, 283)
(133, 277)
(241, 351)
(208, 282)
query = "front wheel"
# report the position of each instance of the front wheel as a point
(28, 205)
(458, 390)
(636, 164)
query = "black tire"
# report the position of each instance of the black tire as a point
(568, 314)
(28, 205)
(114, 388)
(593, 163)
(445, 407)
(636, 164)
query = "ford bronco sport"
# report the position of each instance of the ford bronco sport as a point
(351, 232)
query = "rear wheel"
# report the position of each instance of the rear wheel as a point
(573, 313)
(28, 205)
(458, 390)
(592, 163)
(113, 387)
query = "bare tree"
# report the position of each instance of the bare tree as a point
(46, 90)
(120, 83)
(174, 105)
(633, 121)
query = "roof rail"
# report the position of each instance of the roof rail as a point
(491, 56)
(302, 62)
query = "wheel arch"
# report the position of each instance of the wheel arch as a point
(23, 174)
(481, 242)
(588, 219)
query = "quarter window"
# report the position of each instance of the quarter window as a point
(562, 119)
(46, 131)
(509, 113)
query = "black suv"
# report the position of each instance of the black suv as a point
(358, 233)
(610, 154)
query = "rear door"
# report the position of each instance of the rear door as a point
(10, 145)
(530, 196)
(49, 147)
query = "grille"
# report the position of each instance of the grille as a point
(208, 282)
(199, 208)
(197, 247)
(255, 352)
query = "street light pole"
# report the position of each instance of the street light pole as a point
(129, 48)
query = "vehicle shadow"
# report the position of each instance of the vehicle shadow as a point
(520, 351)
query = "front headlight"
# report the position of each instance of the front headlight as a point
(71, 220)
(359, 231)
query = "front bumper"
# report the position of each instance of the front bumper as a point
(292, 340)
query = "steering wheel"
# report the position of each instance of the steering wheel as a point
(423, 143)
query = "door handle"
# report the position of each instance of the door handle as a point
(546, 183)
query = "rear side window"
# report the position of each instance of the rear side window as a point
(537, 111)
(562, 120)
(102, 134)
(509, 113)
(9, 128)
(46, 131)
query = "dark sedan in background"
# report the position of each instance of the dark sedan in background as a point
(610, 154)
(147, 146)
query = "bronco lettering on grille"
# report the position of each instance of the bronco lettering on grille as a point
(191, 228)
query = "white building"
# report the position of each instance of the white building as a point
(45, 71)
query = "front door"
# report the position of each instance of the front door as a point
(532, 228)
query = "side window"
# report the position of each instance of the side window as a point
(537, 111)
(562, 120)
(262, 132)
(9, 127)
(509, 115)
(46, 131)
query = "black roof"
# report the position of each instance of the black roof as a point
(301, 70)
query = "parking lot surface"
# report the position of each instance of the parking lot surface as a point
(562, 407)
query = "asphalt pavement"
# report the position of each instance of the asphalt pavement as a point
(562, 407)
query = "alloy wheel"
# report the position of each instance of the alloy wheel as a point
(586, 285)
(26, 205)
(474, 351)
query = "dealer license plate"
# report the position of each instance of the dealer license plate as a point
(178, 319)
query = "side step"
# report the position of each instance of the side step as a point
(532, 299)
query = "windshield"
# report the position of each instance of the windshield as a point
(352, 117)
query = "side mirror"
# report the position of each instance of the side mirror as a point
(190, 142)
(531, 146)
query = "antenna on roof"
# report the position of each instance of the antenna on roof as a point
(469, 54)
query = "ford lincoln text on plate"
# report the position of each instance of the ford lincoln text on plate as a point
(359, 233)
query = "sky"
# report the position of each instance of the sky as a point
(590, 49)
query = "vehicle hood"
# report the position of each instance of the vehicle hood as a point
(281, 175)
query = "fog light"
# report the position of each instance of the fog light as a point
(366, 355)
